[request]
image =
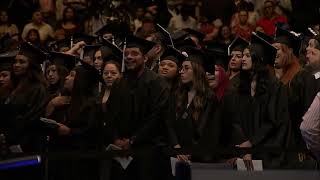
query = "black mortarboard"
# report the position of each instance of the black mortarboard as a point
(92, 72)
(110, 51)
(266, 37)
(289, 39)
(6, 60)
(196, 55)
(195, 33)
(66, 60)
(173, 54)
(179, 36)
(165, 36)
(185, 43)
(63, 45)
(34, 54)
(264, 50)
(144, 45)
(238, 44)
(89, 51)
(308, 33)
(217, 54)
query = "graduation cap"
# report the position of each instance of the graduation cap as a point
(198, 56)
(92, 73)
(266, 37)
(5, 42)
(179, 36)
(66, 60)
(144, 45)
(264, 50)
(185, 43)
(165, 36)
(289, 39)
(173, 54)
(110, 51)
(217, 54)
(238, 44)
(195, 33)
(34, 54)
(6, 60)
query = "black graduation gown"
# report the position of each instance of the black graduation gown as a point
(137, 109)
(24, 124)
(301, 92)
(83, 138)
(264, 120)
(201, 137)
(234, 83)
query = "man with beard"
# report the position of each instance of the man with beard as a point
(136, 109)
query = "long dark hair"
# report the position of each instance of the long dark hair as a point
(200, 85)
(118, 66)
(62, 73)
(83, 93)
(38, 42)
(33, 75)
(9, 23)
(259, 70)
(75, 18)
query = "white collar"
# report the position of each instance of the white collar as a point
(317, 75)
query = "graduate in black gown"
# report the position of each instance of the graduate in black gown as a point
(25, 104)
(260, 108)
(300, 83)
(78, 125)
(136, 109)
(6, 86)
(197, 124)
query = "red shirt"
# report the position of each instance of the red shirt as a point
(243, 32)
(268, 25)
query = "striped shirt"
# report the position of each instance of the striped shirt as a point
(310, 126)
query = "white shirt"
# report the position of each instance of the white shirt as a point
(317, 75)
(176, 23)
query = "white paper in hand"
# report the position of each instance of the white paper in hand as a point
(15, 149)
(173, 165)
(244, 166)
(49, 121)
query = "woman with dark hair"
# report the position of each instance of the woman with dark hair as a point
(260, 109)
(69, 22)
(6, 86)
(225, 36)
(76, 130)
(33, 37)
(196, 122)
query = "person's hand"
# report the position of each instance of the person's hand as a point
(246, 144)
(183, 157)
(63, 129)
(61, 100)
(123, 143)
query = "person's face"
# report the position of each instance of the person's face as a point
(3, 16)
(133, 59)
(5, 80)
(313, 55)
(110, 74)
(88, 60)
(168, 69)
(153, 9)
(21, 65)
(98, 61)
(268, 9)
(52, 74)
(186, 72)
(69, 14)
(69, 81)
(281, 57)
(148, 27)
(213, 80)
(37, 17)
(236, 60)
(225, 32)
(243, 17)
(246, 60)
(33, 37)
